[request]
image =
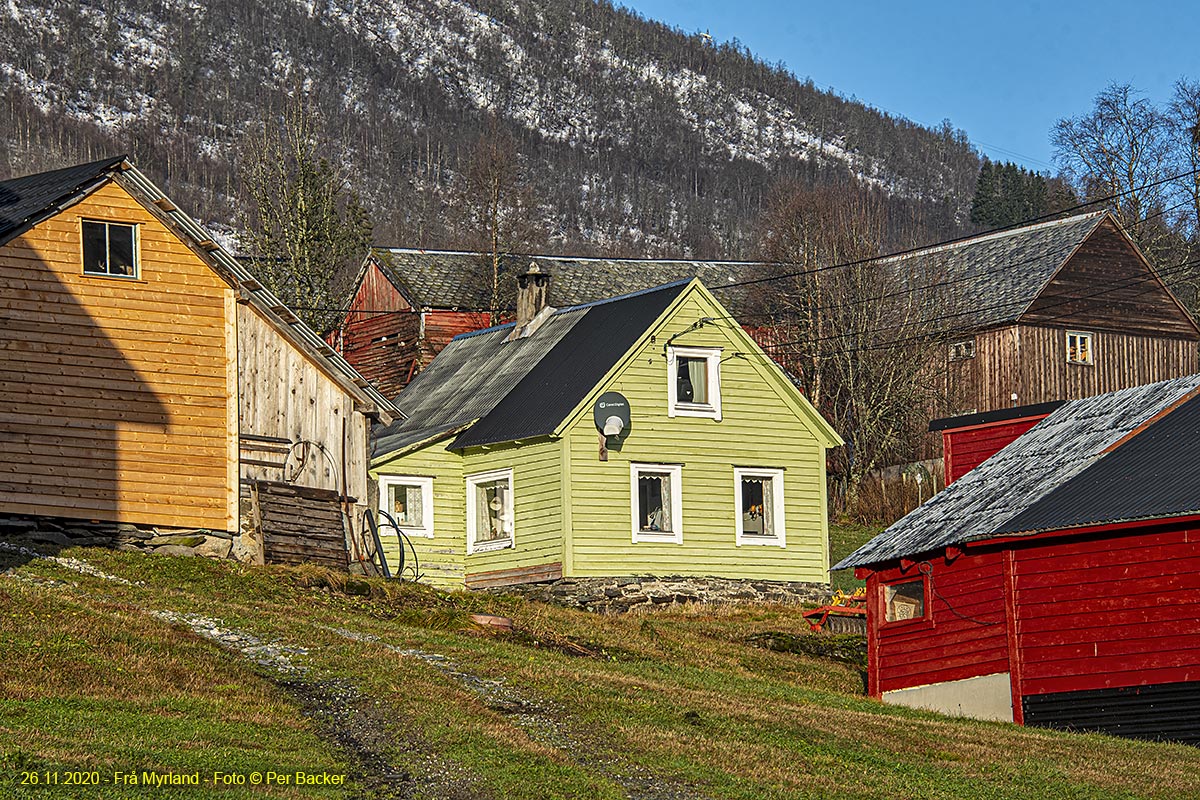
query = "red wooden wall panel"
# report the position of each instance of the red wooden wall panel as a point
(965, 449)
(1110, 611)
(964, 636)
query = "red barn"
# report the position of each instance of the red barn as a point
(1058, 583)
(971, 439)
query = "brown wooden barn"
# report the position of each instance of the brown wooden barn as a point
(1058, 583)
(1053, 311)
(153, 393)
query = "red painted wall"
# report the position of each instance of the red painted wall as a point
(944, 646)
(1116, 608)
(1110, 611)
(964, 449)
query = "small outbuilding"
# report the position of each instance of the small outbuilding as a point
(642, 435)
(1058, 583)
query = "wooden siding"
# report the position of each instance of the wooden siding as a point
(301, 525)
(964, 635)
(1106, 285)
(1109, 611)
(758, 429)
(113, 391)
(537, 504)
(964, 449)
(285, 396)
(442, 557)
(1030, 361)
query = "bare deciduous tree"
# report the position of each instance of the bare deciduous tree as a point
(304, 225)
(495, 207)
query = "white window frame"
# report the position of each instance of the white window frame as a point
(709, 410)
(137, 247)
(779, 521)
(675, 535)
(1091, 348)
(496, 544)
(386, 482)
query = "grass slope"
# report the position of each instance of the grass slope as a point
(398, 689)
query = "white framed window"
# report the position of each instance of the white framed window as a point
(409, 501)
(694, 382)
(961, 351)
(758, 498)
(109, 249)
(1079, 348)
(656, 502)
(490, 519)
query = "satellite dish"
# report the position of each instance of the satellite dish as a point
(611, 414)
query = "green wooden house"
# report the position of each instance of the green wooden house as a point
(501, 473)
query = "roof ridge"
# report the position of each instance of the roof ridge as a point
(548, 257)
(993, 235)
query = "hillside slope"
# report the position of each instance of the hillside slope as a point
(121, 662)
(638, 139)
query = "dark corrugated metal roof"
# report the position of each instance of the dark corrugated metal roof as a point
(1152, 475)
(25, 200)
(1054, 453)
(999, 415)
(526, 387)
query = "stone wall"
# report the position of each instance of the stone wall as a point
(44, 534)
(626, 593)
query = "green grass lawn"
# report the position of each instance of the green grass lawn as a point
(399, 690)
(844, 539)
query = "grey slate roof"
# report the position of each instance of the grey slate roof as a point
(1059, 475)
(991, 279)
(446, 279)
(29, 199)
(488, 390)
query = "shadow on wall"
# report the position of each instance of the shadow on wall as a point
(84, 438)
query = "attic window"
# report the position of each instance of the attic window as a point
(1079, 348)
(694, 382)
(960, 351)
(904, 601)
(109, 248)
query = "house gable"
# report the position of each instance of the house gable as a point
(1107, 284)
(120, 408)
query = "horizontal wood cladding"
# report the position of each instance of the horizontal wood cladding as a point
(1106, 285)
(386, 348)
(113, 392)
(963, 636)
(1111, 611)
(1030, 362)
(1159, 712)
(301, 526)
(283, 395)
(538, 573)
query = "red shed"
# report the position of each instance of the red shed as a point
(971, 439)
(1058, 583)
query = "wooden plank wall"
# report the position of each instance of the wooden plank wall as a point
(285, 396)
(113, 391)
(1031, 362)
(301, 525)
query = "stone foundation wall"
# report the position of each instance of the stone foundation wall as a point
(621, 594)
(53, 533)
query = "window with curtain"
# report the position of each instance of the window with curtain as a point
(758, 493)
(409, 501)
(656, 502)
(490, 511)
(694, 382)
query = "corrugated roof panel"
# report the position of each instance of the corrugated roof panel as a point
(26, 198)
(982, 503)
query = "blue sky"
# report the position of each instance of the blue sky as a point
(1003, 72)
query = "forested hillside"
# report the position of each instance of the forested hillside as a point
(634, 138)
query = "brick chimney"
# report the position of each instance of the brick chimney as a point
(533, 290)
